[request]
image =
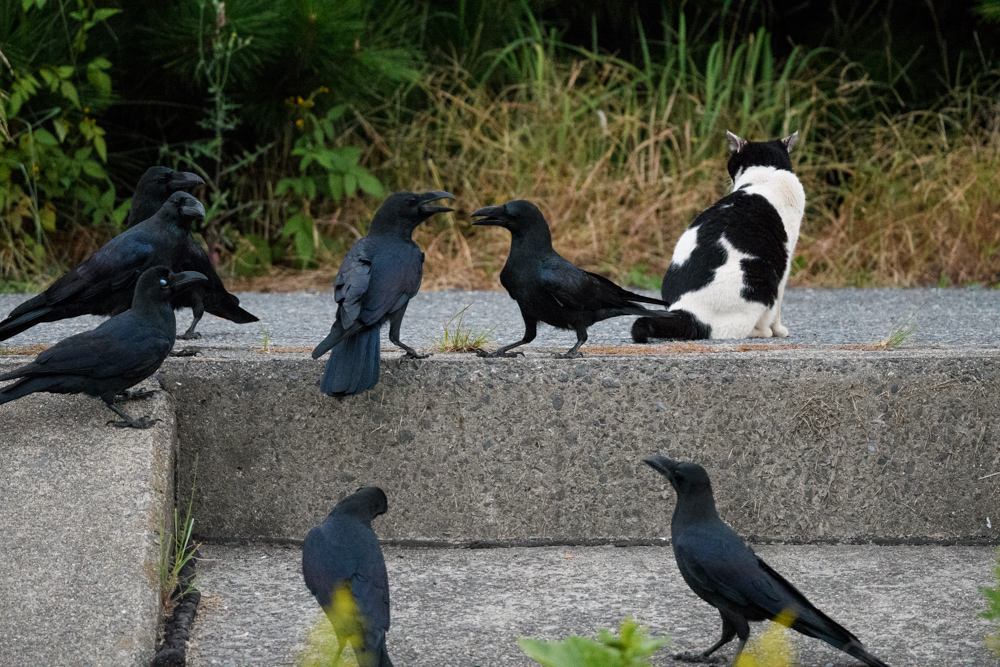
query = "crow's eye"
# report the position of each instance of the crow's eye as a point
(162, 179)
(163, 282)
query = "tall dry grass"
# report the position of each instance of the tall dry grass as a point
(621, 158)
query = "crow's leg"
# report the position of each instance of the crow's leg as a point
(728, 632)
(530, 331)
(395, 321)
(197, 310)
(133, 395)
(143, 422)
(574, 352)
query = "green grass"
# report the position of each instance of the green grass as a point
(992, 612)
(176, 550)
(459, 338)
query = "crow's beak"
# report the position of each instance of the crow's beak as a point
(492, 216)
(435, 195)
(179, 281)
(662, 465)
(184, 180)
(192, 208)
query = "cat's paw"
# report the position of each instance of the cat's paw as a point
(760, 332)
(779, 330)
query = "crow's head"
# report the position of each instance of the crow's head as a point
(366, 503)
(182, 209)
(403, 211)
(520, 217)
(159, 283)
(155, 187)
(686, 478)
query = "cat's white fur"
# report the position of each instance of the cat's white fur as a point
(720, 304)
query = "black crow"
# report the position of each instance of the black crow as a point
(549, 288)
(343, 551)
(724, 572)
(116, 355)
(104, 282)
(377, 278)
(153, 190)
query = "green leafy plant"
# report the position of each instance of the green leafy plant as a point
(342, 620)
(460, 338)
(992, 612)
(176, 549)
(629, 648)
(324, 169)
(52, 149)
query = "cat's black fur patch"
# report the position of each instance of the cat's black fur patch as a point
(752, 225)
(760, 154)
(679, 324)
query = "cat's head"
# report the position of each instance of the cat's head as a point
(746, 154)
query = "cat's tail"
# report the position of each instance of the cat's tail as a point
(677, 324)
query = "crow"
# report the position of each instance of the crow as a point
(549, 288)
(153, 190)
(724, 572)
(103, 284)
(377, 278)
(343, 553)
(121, 352)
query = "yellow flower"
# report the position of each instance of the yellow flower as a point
(300, 99)
(86, 109)
(299, 122)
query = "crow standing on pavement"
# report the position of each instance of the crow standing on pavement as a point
(154, 188)
(344, 551)
(549, 288)
(724, 572)
(104, 283)
(377, 278)
(119, 353)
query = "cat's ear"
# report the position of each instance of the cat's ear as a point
(735, 143)
(790, 140)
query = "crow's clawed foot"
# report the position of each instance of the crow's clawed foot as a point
(700, 658)
(569, 355)
(186, 352)
(415, 355)
(141, 423)
(132, 395)
(497, 354)
(189, 335)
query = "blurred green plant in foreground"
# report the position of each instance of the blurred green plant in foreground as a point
(992, 612)
(771, 649)
(629, 648)
(342, 624)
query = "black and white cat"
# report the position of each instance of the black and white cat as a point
(728, 272)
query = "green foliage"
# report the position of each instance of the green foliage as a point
(629, 648)
(325, 170)
(176, 549)
(641, 277)
(459, 338)
(52, 150)
(992, 612)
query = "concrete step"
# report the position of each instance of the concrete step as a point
(912, 606)
(81, 505)
(801, 444)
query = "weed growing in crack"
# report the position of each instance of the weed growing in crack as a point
(992, 612)
(461, 338)
(176, 550)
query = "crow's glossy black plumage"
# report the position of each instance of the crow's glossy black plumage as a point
(724, 572)
(103, 284)
(153, 190)
(344, 551)
(549, 288)
(116, 355)
(377, 279)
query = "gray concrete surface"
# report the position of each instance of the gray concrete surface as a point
(81, 505)
(950, 318)
(801, 446)
(912, 606)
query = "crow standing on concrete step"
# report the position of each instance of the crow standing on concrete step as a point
(103, 284)
(343, 551)
(153, 190)
(724, 572)
(116, 355)
(377, 278)
(547, 287)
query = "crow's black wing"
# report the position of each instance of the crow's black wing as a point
(574, 288)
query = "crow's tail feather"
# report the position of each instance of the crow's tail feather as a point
(227, 307)
(23, 319)
(677, 324)
(632, 296)
(814, 623)
(353, 366)
(22, 388)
